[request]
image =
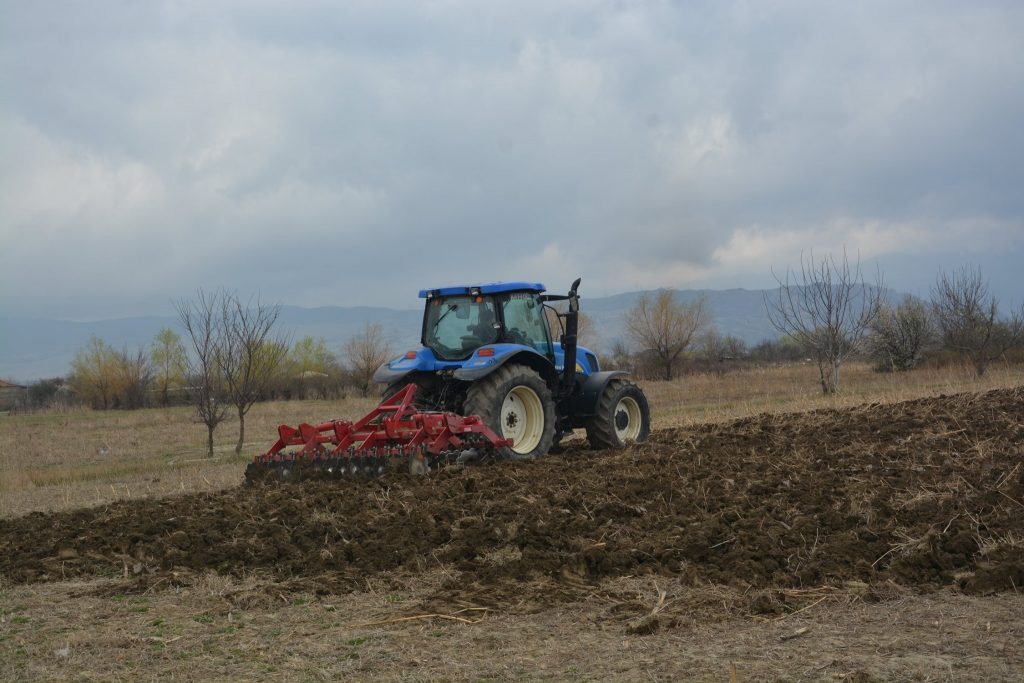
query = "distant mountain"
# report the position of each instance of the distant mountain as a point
(31, 348)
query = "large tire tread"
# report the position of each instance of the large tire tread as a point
(485, 396)
(601, 428)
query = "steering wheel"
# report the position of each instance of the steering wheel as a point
(518, 337)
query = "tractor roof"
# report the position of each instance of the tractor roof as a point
(487, 288)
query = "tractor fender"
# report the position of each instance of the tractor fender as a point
(387, 375)
(589, 390)
(471, 371)
(417, 360)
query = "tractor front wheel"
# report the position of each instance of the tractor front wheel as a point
(517, 404)
(623, 416)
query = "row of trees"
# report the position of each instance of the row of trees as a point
(827, 311)
(104, 377)
(230, 358)
(962, 318)
(109, 378)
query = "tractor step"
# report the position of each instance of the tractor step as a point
(395, 432)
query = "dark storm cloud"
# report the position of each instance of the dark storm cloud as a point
(345, 154)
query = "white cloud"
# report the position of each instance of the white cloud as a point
(309, 150)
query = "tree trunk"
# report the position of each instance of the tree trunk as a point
(828, 371)
(209, 441)
(241, 430)
(980, 365)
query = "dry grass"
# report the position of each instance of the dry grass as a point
(699, 399)
(223, 629)
(70, 459)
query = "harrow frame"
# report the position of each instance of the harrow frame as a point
(394, 428)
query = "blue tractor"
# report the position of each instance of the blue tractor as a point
(489, 351)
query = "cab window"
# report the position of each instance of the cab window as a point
(524, 322)
(458, 325)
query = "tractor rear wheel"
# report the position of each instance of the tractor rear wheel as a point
(623, 416)
(517, 404)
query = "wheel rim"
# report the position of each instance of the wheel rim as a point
(522, 419)
(627, 419)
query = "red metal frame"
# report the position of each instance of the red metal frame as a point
(395, 427)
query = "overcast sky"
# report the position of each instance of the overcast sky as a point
(353, 152)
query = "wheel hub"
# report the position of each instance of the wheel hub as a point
(627, 419)
(522, 419)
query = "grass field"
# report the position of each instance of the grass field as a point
(57, 460)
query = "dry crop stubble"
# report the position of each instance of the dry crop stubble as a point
(223, 628)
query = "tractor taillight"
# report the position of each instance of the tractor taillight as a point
(485, 353)
(410, 355)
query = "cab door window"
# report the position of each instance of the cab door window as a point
(524, 321)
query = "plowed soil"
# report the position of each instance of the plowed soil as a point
(922, 494)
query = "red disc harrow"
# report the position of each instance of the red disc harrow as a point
(395, 428)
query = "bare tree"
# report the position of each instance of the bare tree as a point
(250, 354)
(715, 347)
(827, 308)
(967, 316)
(619, 357)
(900, 334)
(664, 327)
(364, 353)
(202, 323)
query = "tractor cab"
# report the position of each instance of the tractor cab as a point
(460, 320)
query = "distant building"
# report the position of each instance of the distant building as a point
(10, 394)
